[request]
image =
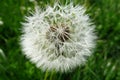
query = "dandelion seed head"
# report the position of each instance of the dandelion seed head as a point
(58, 38)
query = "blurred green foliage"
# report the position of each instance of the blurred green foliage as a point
(104, 64)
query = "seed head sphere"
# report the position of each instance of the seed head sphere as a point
(58, 38)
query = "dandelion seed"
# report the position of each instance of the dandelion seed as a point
(59, 38)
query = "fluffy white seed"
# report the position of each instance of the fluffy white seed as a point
(59, 38)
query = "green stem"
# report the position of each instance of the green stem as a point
(52, 74)
(46, 75)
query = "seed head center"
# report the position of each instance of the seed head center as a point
(61, 33)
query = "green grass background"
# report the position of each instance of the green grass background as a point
(104, 64)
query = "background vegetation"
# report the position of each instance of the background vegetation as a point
(104, 64)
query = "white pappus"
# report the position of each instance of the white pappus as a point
(58, 38)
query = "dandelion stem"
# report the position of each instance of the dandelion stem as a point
(52, 74)
(46, 75)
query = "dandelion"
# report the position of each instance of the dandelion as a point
(59, 38)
